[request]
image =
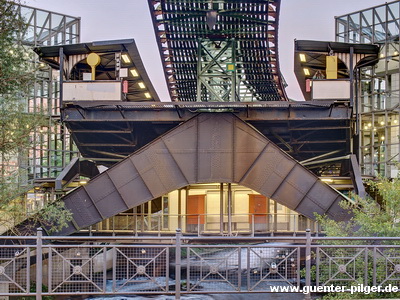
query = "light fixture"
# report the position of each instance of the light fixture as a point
(382, 138)
(382, 123)
(134, 73)
(395, 53)
(395, 121)
(141, 85)
(366, 127)
(302, 57)
(125, 58)
(83, 181)
(147, 95)
(326, 179)
(306, 72)
(369, 124)
(382, 55)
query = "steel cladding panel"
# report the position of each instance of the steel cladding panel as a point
(268, 173)
(336, 212)
(248, 146)
(105, 196)
(295, 187)
(158, 169)
(215, 149)
(82, 208)
(129, 183)
(182, 144)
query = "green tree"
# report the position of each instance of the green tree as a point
(370, 218)
(17, 120)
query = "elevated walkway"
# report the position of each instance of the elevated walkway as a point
(207, 148)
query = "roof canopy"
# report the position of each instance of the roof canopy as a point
(106, 70)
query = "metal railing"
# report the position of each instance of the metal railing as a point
(207, 224)
(177, 265)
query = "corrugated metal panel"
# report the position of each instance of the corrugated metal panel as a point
(206, 149)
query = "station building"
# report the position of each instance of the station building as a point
(230, 155)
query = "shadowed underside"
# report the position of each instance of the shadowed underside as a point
(206, 149)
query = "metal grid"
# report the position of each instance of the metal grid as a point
(15, 262)
(181, 25)
(272, 265)
(80, 269)
(129, 266)
(141, 269)
(386, 266)
(213, 269)
(344, 266)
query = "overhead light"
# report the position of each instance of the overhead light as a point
(302, 57)
(395, 53)
(125, 58)
(326, 179)
(82, 181)
(134, 73)
(382, 138)
(382, 55)
(147, 95)
(141, 85)
(369, 124)
(382, 123)
(395, 121)
(306, 72)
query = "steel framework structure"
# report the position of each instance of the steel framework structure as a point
(194, 35)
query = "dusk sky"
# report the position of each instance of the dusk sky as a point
(118, 19)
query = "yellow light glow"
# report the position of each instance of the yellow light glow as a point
(82, 181)
(382, 55)
(147, 95)
(395, 121)
(306, 72)
(382, 138)
(366, 127)
(382, 123)
(326, 179)
(125, 58)
(369, 124)
(141, 85)
(302, 57)
(134, 73)
(395, 53)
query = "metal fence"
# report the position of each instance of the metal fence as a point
(179, 265)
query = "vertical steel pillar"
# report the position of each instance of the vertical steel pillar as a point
(229, 209)
(308, 262)
(178, 253)
(39, 264)
(221, 208)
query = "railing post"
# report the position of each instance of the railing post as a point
(39, 264)
(308, 262)
(178, 264)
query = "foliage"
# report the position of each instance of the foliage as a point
(18, 121)
(369, 219)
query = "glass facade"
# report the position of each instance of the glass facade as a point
(208, 209)
(378, 96)
(52, 147)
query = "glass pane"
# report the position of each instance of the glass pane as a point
(393, 29)
(366, 18)
(380, 14)
(56, 20)
(394, 9)
(42, 18)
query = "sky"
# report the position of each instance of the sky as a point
(120, 19)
